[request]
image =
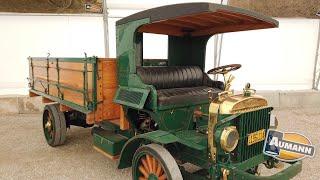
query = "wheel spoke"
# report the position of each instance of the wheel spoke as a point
(149, 162)
(144, 163)
(155, 167)
(161, 172)
(158, 171)
(163, 177)
(154, 164)
(143, 171)
(49, 116)
(48, 124)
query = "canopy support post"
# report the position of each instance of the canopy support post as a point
(218, 46)
(106, 29)
(316, 69)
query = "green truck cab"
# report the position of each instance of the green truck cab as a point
(177, 114)
(211, 131)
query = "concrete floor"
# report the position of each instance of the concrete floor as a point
(24, 153)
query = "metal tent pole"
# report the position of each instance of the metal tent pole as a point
(316, 74)
(106, 29)
(218, 46)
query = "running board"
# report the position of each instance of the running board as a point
(106, 154)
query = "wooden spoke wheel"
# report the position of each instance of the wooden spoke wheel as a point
(154, 162)
(54, 125)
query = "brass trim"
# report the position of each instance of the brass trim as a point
(225, 173)
(212, 121)
(242, 104)
(228, 78)
(224, 137)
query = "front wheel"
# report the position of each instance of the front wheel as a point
(154, 162)
(54, 125)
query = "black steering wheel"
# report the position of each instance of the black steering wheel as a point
(224, 69)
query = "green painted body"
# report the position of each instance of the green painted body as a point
(109, 142)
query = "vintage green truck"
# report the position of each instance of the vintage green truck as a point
(156, 116)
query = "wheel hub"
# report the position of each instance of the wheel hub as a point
(153, 177)
(48, 124)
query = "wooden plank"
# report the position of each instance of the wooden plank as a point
(205, 17)
(239, 17)
(40, 63)
(109, 88)
(111, 111)
(124, 123)
(70, 74)
(90, 118)
(159, 28)
(99, 111)
(46, 100)
(231, 28)
(220, 18)
(106, 88)
(109, 69)
(178, 24)
(189, 20)
(31, 94)
(76, 66)
(65, 108)
(72, 96)
(115, 121)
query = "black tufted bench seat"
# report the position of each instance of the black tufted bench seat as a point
(178, 85)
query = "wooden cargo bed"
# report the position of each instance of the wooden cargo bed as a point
(87, 85)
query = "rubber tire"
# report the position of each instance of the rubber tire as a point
(170, 165)
(59, 123)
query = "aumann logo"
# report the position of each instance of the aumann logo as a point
(287, 146)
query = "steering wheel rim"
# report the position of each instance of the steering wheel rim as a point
(224, 69)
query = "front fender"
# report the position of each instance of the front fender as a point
(128, 150)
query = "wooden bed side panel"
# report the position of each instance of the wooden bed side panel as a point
(106, 88)
(109, 87)
(70, 75)
(96, 116)
(109, 70)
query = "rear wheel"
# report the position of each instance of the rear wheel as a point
(154, 162)
(54, 125)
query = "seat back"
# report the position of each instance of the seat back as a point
(171, 76)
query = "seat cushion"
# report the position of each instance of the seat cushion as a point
(171, 76)
(178, 96)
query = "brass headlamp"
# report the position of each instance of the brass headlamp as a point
(229, 138)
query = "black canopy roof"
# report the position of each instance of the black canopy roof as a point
(198, 19)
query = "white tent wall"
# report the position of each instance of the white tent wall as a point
(23, 36)
(272, 59)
